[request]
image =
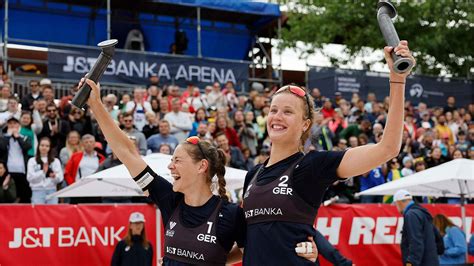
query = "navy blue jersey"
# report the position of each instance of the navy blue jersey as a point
(231, 222)
(273, 243)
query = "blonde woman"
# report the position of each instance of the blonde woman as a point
(73, 144)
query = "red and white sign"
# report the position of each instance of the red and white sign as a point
(66, 234)
(369, 234)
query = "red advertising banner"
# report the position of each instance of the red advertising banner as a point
(67, 234)
(369, 234)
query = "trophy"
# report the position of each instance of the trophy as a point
(108, 49)
(385, 12)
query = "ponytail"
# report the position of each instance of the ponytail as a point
(220, 172)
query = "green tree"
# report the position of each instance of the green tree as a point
(440, 32)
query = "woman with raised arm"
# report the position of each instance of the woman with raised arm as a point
(282, 195)
(200, 227)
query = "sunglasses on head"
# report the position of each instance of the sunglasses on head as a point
(195, 141)
(300, 92)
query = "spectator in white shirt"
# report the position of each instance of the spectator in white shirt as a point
(44, 172)
(179, 121)
(138, 108)
(216, 97)
(12, 111)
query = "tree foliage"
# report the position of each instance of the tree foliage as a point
(440, 32)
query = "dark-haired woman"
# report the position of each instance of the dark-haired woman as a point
(134, 248)
(44, 173)
(282, 196)
(200, 227)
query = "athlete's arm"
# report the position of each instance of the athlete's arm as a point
(361, 159)
(120, 144)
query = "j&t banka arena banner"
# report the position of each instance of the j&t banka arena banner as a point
(136, 67)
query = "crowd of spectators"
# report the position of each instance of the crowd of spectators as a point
(47, 143)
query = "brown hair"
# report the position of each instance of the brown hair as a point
(50, 152)
(308, 110)
(441, 222)
(216, 158)
(128, 238)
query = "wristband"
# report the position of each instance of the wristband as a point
(144, 179)
(397, 82)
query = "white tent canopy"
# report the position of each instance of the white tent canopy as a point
(451, 179)
(117, 182)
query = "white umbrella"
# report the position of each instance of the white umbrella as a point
(451, 179)
(117, 182)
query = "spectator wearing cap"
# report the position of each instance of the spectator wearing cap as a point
(35, 94)
(425, 121)
(12, 111)
(407, 166)
(134, 248)
(418, 242)
(14, 150)
(337, 99)
(180, 122)
(83, 163)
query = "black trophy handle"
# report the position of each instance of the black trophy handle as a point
(108, 49)
(386, 11)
